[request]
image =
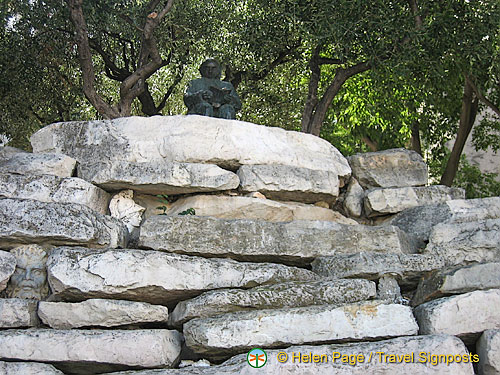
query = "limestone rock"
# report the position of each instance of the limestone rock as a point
(155, 277)
(293, 242)
(91, 351)
(215, 337)
(388, 289)
(18, 313)
(458, 280)
(408, 268)
(393, 200)
(27, 368)
(290, 294)
(464, 315)
(26, 163)
(6, 152)
(389, 168)
(158, 177)
(7, 268)
(123, 207)
(353, 203)
(46, 188)
(27, 221)
(488, 348)
(226, 207)
(100, 312)
(282, 182)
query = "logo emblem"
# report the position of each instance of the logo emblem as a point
(257, 358)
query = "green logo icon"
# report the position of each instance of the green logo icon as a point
(257, 358)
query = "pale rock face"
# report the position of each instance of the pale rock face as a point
(488, 348)
(215, 337)
(464, 315)
(388, 289)
(159, 177)
(18, 313)
(296, 242)
(291, 294)
(155, 277)
(100, 312)
(389, 168)
(6, 152)
(7, 268)
(27, 221)
(353, 203)
(26, 163)
(46, 188)
(123, 207)
(84, 351)
(28, 368)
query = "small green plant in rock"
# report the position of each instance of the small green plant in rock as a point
(189, 211)
(163, 198)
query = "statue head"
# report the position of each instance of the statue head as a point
(211, 69)
(29, 280)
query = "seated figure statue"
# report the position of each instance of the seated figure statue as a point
(209, 96)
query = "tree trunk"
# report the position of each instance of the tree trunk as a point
(416, 145)
(312, 95)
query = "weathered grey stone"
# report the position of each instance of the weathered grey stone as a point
(393, 200)
(100, 312)
(468, 242)
(464, 315)
(26, 163)
(407, 267)
(291, 294)
(25, 221)
(6, 152)
(155, 277)
(389, 168)
(353, 202)
(93, 351)
(27, 368)
(18, 313)
(458, 280)
(227, 207)
(215, 337)
(370, 362)
(282, 182)
(488, 349)
(293, 242)
(7, 268)
(46, 188)
(158, 177)
(189, 139)
(388, 289)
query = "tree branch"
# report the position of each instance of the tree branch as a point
(481, 97)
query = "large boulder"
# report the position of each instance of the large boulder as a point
(18, 313)
(6, 152)
(28, 368)
(7, 268)
(48, 163)
(488, 349)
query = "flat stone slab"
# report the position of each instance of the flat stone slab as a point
(100, 313)
(407, 268)
(464, 315)
(353, 202)
(7, 268)
(158, 177)
(458, 280)
(93, 351)
(285, 183)
(25, 221)
(389, 168)
(388, 201)
(46, 188)
(6, 152)
(276, 296)
(49, 163)
(28, 368)
(215, 337)
(155, 277)
(18, 313)
(488, 348)
(296, 242)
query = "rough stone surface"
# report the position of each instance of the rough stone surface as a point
(46, 188)
(215, 337)
(458, 280)
(393, 200)
(378, 364)
(291, 294)
(353, 202)
(464, 315)
(25, 221)
(488, 348)
(158, 177)
(293, 242)
(28, 368)
(285, 183)
(18, 313)
(7, 268)
(388, 289)
(408, 268)
(26, 163)
(91, 351)
(6, 152)
(155, 277)
(100, 312)
(227, 207)
(389, 168)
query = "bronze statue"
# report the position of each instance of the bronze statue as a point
(209, 96)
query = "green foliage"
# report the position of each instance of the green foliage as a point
(476, 183)
(189, 211)
(163, 198)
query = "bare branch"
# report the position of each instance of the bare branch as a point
(481, 96)
(329, 61)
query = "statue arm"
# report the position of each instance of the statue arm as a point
(234, 99)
